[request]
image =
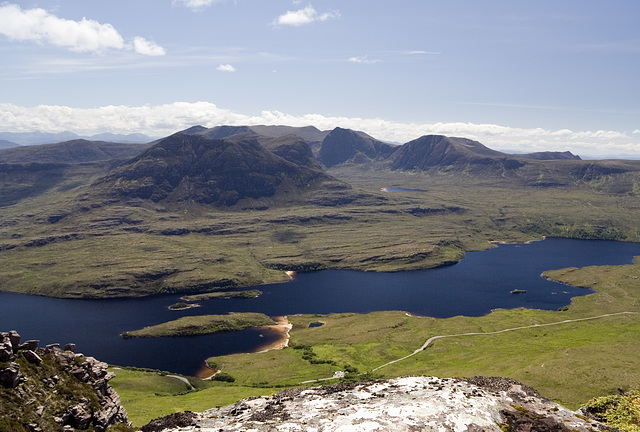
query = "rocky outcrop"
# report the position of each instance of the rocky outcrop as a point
(401, 404)
(50, 389)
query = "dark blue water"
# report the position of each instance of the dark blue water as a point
(479, 283)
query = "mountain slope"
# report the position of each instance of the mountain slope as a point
(441, 151)
(550, 155)
(5, 144)
(75, 151)
(345, 145)
(209, 171)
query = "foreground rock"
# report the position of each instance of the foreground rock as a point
(402, 404)
(53, 389)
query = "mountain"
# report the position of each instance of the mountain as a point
(440, 151)
(37, 138)
(345, 145)
(4, 144)
(218, 171)
(550, 155)
(309, 134)
(75, 151)
(291, 148)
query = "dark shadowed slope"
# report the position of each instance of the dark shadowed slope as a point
(345, 145)
(210, 171)
(441, 151)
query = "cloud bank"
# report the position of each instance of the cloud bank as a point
(304, 16)
(39, 26)
(162, 120)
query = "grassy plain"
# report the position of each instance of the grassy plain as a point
(147, 395)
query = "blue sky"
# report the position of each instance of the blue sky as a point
(516, 75)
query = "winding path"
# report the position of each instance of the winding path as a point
(431, 339)
(184, 380)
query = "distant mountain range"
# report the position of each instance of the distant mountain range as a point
(276, 165)
(13, 139)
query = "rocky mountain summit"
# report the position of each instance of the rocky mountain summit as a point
(401, 404)
(217, 171)
(54, 389)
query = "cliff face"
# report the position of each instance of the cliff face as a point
(402, 404)
(53, 389)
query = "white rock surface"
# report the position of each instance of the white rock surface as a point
(402, 404)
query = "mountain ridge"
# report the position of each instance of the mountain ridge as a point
(218, 171)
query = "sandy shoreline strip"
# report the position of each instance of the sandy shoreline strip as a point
(281, 329)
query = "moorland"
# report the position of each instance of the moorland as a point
(206, 210)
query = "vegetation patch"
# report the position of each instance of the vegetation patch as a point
(203, 324)
(182, 306)
(223, 294)
(621, 411)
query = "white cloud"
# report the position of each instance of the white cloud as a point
(195, 4)
(145, 47)
(162, 120)
(363, 59)
(226, 68)
(38, 25)
(304, 16)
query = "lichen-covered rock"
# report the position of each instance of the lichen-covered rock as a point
(50, 389)
(401, 404)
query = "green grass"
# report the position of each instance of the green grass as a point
(202, 324)
(147, 395)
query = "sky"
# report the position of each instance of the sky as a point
(515, 75)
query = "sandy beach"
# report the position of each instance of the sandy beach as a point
(280, 329)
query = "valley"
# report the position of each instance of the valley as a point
(210, 210)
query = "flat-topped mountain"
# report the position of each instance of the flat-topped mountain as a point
(436, 150)
(192, 167)
(307, 133)
(550, 155)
